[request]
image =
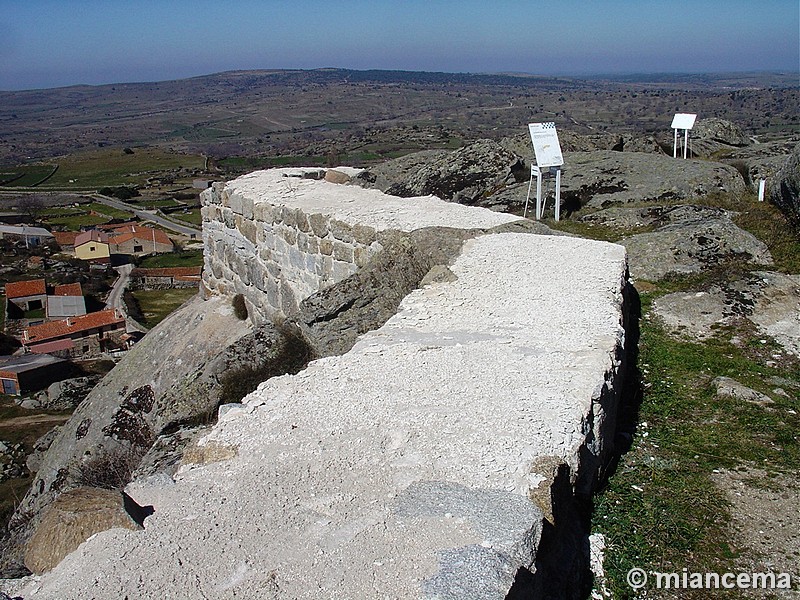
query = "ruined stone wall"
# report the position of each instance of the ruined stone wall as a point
(276, 255)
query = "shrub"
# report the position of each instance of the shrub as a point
(239, 307)
(110, 470)
(291, 356)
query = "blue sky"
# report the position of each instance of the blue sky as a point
(49, 43)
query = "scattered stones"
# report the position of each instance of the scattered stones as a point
(12, 461)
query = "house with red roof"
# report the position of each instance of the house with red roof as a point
(66, 239)
(81, 336)
(27, 295)
(135, 240)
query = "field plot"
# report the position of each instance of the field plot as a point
(26, 175)
(155, 305)
(110, 167)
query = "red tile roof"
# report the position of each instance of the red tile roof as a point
(68, 289)
(65, 238)
(91, 236)
(20, 289)
(145, 234)
(67, 327)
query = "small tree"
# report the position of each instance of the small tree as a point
(32, 207)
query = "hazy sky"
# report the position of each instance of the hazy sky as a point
(50, 43)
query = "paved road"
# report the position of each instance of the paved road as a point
(115, 300)
(147, 215)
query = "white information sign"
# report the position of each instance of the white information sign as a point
(545, 145)
(683, 121)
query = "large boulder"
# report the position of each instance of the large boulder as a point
(465, 175)
(73, 518)
(684, 239)
(169, 379)
(66, 394)
(711, 135)
(785, 188)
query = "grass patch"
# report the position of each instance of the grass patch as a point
(156, 305)
(114, 213)
(113, 167)
(661, 511)
(25, 175)
(74, 222)
(193, 216)
(184, 258)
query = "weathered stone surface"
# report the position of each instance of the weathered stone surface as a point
(730, 387)
(356, 477)
(465, 176)
(71, 520)
(602, 178)
(66, 394)
(40, 447)
(770, 300)
(689, 239)
(711, 134)
(785, 188)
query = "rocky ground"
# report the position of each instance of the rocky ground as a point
(654, 205)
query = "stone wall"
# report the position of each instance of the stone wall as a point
(276, 255)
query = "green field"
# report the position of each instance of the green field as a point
(25, 175)
(193, 217)
(98, 168)
(157, 304)
(186, 258)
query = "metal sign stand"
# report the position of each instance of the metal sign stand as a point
(547, 151)
(683, 121)
(541, 203)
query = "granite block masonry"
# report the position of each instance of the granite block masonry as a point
(429, 461)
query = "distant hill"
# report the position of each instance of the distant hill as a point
(241, 113)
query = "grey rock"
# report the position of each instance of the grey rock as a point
(67, 394)
(730, 387)
(710, 135)
(785, 189)
(466, 175)
(689, 240)
(41, 446)
(770, 300)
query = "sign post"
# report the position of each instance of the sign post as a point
(683, 121)
(547, 150)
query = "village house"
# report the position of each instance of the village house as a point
(79, 337)
(93, 246)
(66, 239)
(31, 236)
(135, 240)
(31, 372)
(26, 295)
